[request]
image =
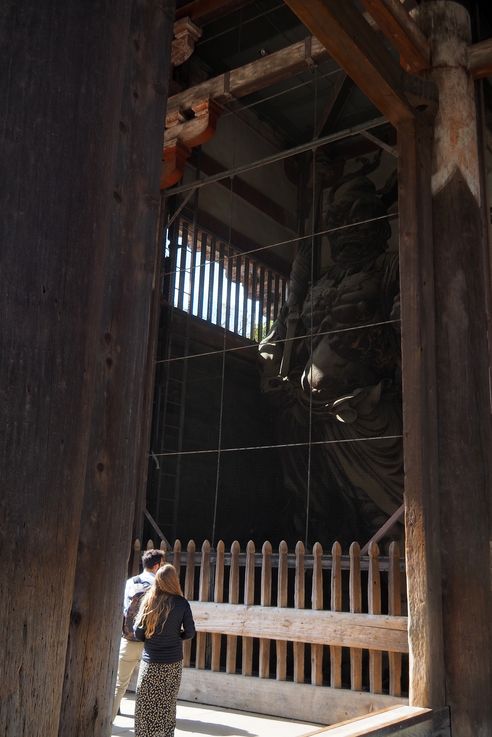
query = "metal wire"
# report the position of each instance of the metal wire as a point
(280, 156)
(396, 321)
(304, 83)
(288, 241)
(279, 445)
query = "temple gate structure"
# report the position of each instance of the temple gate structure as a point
(245, 295)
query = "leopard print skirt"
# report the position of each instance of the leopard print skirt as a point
(157, 693)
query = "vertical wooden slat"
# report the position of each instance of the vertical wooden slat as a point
(249, 600)
(150, 544)
(355, 597)
(233, 599)
(201, 283)
(265, 600)
(172, 274)
(218, 598)
(238, 263)
(177, 556)
(394, 609)
(261, 306)
(253, 333)
(269, 301)
(189, 592)
(276, 300)
(336, 606)
(220, 283)
(193, 274)
(203, 594)
(317, 603)
(182, 265)
(246, 297)
(137, 553)
(299, 603)
(211, 280)
(283, 286)
(230, 257)
(374, 606)
(282, 583)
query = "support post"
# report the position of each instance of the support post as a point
(122, 342)
(82, 150)
(455, 518)
(420, 446)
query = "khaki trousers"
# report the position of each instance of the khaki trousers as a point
(129, 658)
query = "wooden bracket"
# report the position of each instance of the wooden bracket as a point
(186, 34)
(174, 158)
(183, 135)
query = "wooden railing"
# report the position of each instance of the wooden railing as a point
(333, 621)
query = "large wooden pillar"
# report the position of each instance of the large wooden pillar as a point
(122, 337)
(84, 88)
(422, 525)
(454, 327)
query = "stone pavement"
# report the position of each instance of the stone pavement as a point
(197, 720)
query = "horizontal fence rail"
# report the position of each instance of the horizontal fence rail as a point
(327, 620)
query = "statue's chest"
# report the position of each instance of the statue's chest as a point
(347, 300)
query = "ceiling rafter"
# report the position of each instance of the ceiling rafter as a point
(352, 43)
(402, 31)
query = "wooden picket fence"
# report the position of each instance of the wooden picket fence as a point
(315, 636)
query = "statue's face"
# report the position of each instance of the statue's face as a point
(350, 245)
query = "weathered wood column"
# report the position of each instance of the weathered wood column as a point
(422, 524)
(122, 341)
(84, 87)
(453, 317)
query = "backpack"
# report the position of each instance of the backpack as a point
(132, 611)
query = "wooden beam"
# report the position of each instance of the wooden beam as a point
(249, 194)
(353, 44)
(251, 77)
(299, 701)
(397, 720)
(480, 59)
(369, 631)
(205, 11)
(401, 30)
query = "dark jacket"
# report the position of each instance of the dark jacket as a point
(166, 644)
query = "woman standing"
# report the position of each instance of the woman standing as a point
(163, 622)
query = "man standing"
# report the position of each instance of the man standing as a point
(130, 648)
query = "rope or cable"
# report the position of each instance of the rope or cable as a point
(395, 321)
(222, 381)
(294, 87)
(310, 370)
(279, 445)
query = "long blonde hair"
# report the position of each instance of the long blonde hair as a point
(157, 603)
